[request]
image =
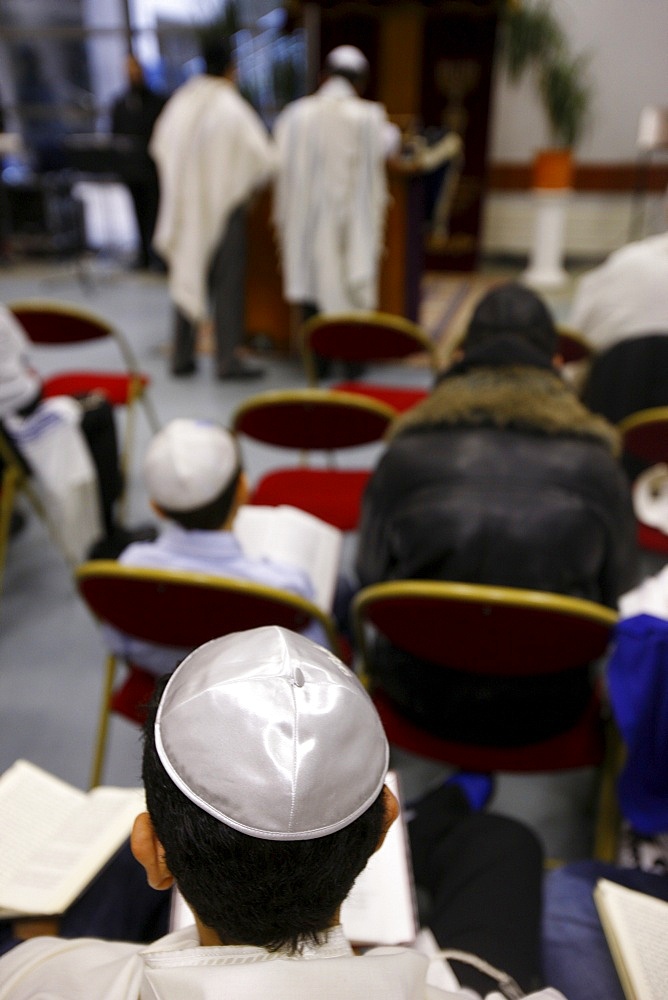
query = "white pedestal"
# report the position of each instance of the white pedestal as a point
(545, 263)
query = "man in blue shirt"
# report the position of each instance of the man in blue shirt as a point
(195, 481)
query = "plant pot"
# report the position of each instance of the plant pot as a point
(552, 169)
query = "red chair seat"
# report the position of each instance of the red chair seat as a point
(580, 746)
(116, 387)
(334, 495)
(400, 399)
(651, 538)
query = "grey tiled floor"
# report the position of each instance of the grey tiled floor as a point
(50, 653)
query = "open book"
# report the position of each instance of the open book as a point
(381, 906)
(636, 929)
(294, 537)
(54, 838)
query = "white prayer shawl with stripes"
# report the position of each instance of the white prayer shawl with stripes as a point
(331, 196)
(212, 152)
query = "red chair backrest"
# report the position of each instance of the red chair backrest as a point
(647, 440)
(489, 638)
(181, 613)
(572, 347)
(51, 325)
(313, 419)
(357, 339)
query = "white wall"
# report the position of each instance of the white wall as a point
(628, 42)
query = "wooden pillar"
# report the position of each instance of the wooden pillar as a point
(400, 48)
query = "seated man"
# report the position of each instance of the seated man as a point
(264, 770)
(195, 482)
(70, 446)
(500, 477)
(626, 296)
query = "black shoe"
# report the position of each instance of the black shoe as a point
(240, 370)
(181, 371)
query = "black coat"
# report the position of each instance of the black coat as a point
(133, 116)
(500, 477)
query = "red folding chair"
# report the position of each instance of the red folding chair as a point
(62, 324)
(572, 345)
(176, 609)
(312, 421)
(368, 337)
(645, 436)
(500, 631)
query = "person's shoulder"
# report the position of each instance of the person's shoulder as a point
(295, 109)
(234, 106)
(373, 109)
(49, 966)
(141, 554)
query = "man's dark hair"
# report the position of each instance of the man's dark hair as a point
(211, 515)
(269, 893)
(216, 52)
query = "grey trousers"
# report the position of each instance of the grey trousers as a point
(226, 282)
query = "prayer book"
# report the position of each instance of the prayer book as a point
(291, 536)
(636, 929)
(54, 838)
(381, 906)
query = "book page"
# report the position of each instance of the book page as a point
(381, 906)
(636, 928)
(296, 538)
(55, 838)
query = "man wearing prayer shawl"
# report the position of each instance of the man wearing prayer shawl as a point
(331, 192)
(212, 152)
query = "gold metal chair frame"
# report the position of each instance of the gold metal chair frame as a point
(640, 417)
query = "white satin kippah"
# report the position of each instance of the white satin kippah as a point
(347, 57)
(189, 463)
(271, 734)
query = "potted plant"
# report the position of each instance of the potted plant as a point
(534, 42)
